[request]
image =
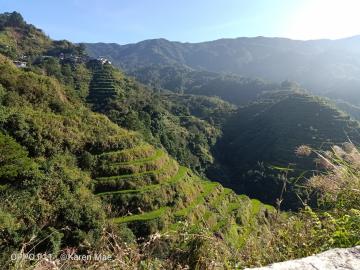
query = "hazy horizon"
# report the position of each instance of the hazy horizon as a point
(127, 22)
(228, 38)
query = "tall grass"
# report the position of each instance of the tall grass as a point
(333, 221)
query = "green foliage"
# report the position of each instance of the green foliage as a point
(45, 198)
(186, 126)
(102, 87)
(235, 89)
(15, 166)
(13, 19)
(62, 59)
(56, 209)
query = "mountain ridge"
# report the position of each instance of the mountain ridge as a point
(327, 67)
(225, 39)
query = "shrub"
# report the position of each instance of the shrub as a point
(15, 165)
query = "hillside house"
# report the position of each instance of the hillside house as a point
(104, 60)
(20, 64)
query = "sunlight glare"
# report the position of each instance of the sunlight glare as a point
(325, 19)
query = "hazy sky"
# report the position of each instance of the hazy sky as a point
(127, 21)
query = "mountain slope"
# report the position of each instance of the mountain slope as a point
(330, 67)
(187, 126)
(70, 176)
(235, 89)
(263, 136)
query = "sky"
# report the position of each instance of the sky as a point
(129, 21)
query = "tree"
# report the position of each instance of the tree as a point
(15, 165)
(81, 49)
(15, 20)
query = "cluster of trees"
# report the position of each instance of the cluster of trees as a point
(13, 19)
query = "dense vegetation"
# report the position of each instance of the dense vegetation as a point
(70, 177)
(43, 191)
(260, 141)
(187, 126)
(72, 181)
(235, 89)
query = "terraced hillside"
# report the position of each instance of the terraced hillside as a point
(124, 180)
(102, 87)
(146, 190)
(186, 126)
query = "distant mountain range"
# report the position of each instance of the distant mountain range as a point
(327, 67)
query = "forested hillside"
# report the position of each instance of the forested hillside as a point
(187, 126)
(259, 143)
(235, 89)
(327, 67)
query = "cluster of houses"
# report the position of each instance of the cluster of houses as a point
(22, 62)
(79, 59)
(103, 60)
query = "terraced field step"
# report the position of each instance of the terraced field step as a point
(102, 79)
(142, 217)
(102, 84)
(99, 88)
(177, 177)
(231, 207)
(96, 95)
(103, 92)
(140, 151)
(220, 197)
(133, 175)
(99, 80)
(157, 155)
(119, 142)
(136, 180)
(209, 187)
(218, 207)
(155, 162)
